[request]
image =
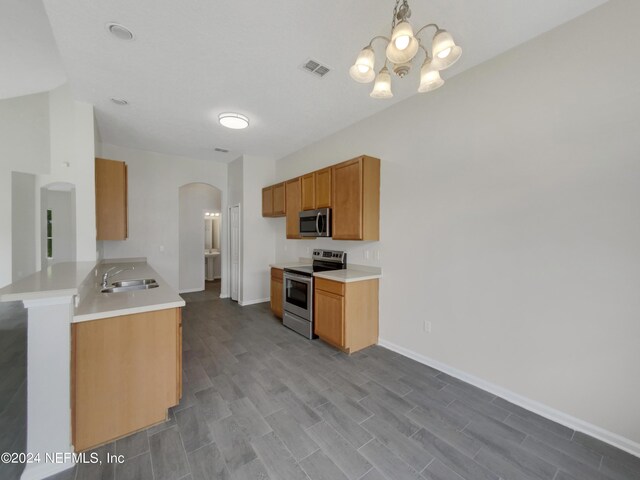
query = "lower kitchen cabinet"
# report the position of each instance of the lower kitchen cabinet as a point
(346, 314)
(276, 292)
(126, 372)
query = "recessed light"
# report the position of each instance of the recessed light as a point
(119, 31)
(119, 101)
(236, 121)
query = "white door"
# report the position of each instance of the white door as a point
(234, 219)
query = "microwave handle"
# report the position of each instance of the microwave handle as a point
(317, 223)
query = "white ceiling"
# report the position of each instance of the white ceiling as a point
(29, 61)
(192, 59)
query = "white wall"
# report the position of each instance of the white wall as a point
(23, 225)
(258, 235)
(194, 200)
(247, 176)
(154, 181)
(24, 147)
(509, 219)
(73, 161)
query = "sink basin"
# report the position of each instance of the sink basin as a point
(129, 288)
(130, 283)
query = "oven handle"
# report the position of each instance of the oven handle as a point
(300, 278)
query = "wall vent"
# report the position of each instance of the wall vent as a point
(221, 150)
(315, 67)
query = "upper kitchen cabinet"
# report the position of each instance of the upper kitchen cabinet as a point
(308, 195)
(322, 181)
(111, 200)
(279, 200)
(273, 201)
(316, 189)
(267, 202)
(356, 199)
(293, 203)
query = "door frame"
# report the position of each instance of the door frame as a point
(230, 233)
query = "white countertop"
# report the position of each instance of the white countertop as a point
(357, 273)
(59, 280)
(349, 275)
(291, 264)
(94, 304)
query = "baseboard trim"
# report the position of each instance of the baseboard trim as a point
(253, 302)
(552, 414)
(191, 290)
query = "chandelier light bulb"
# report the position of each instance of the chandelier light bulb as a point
(445, 53)
(402, 35)
(429, 77)
(445, 50)
(363, 70)
(382, 87)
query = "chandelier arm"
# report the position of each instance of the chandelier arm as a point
(425, 27)
(377, 37)
(426, 52)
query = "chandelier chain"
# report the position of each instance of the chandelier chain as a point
(400, 10)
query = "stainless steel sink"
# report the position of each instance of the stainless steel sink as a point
(130, 283)
(129, 288)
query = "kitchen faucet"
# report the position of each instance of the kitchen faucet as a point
(106, 276)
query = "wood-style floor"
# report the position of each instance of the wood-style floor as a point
(261, 402)
(13, 388)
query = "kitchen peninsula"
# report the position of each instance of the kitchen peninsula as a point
(100, 365)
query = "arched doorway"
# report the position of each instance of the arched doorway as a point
(200, 234)
(57, 223)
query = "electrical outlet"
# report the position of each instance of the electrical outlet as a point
(161, 248)
(377, 254)
(308, 250)
(426, 326)
(367, 254)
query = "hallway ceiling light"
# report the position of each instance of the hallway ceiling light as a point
(119, 31)
(232, 120)
(400, 51)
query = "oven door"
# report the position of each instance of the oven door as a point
(297, 295)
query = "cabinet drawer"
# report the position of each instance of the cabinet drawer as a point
(276, 274)
(330, 286)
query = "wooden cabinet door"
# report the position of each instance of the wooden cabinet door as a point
(347, 200)
(276, 292)
(124, 374)
(292, 199)
(179, 356)
(279, 203)
(276, 297)
(329, 317)
(322, 179)
(308, 197)
(267, 202)
(111, 199)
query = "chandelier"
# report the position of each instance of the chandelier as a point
(401, 49)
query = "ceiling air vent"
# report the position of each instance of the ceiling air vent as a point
(221, 150)
(316, 68)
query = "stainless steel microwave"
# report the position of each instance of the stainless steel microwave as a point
(315, 223)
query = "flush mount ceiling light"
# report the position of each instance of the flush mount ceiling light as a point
(119, 101)
(400, 51)
(119, 31)
(233, 120)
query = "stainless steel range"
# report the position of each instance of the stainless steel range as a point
(297, 291)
